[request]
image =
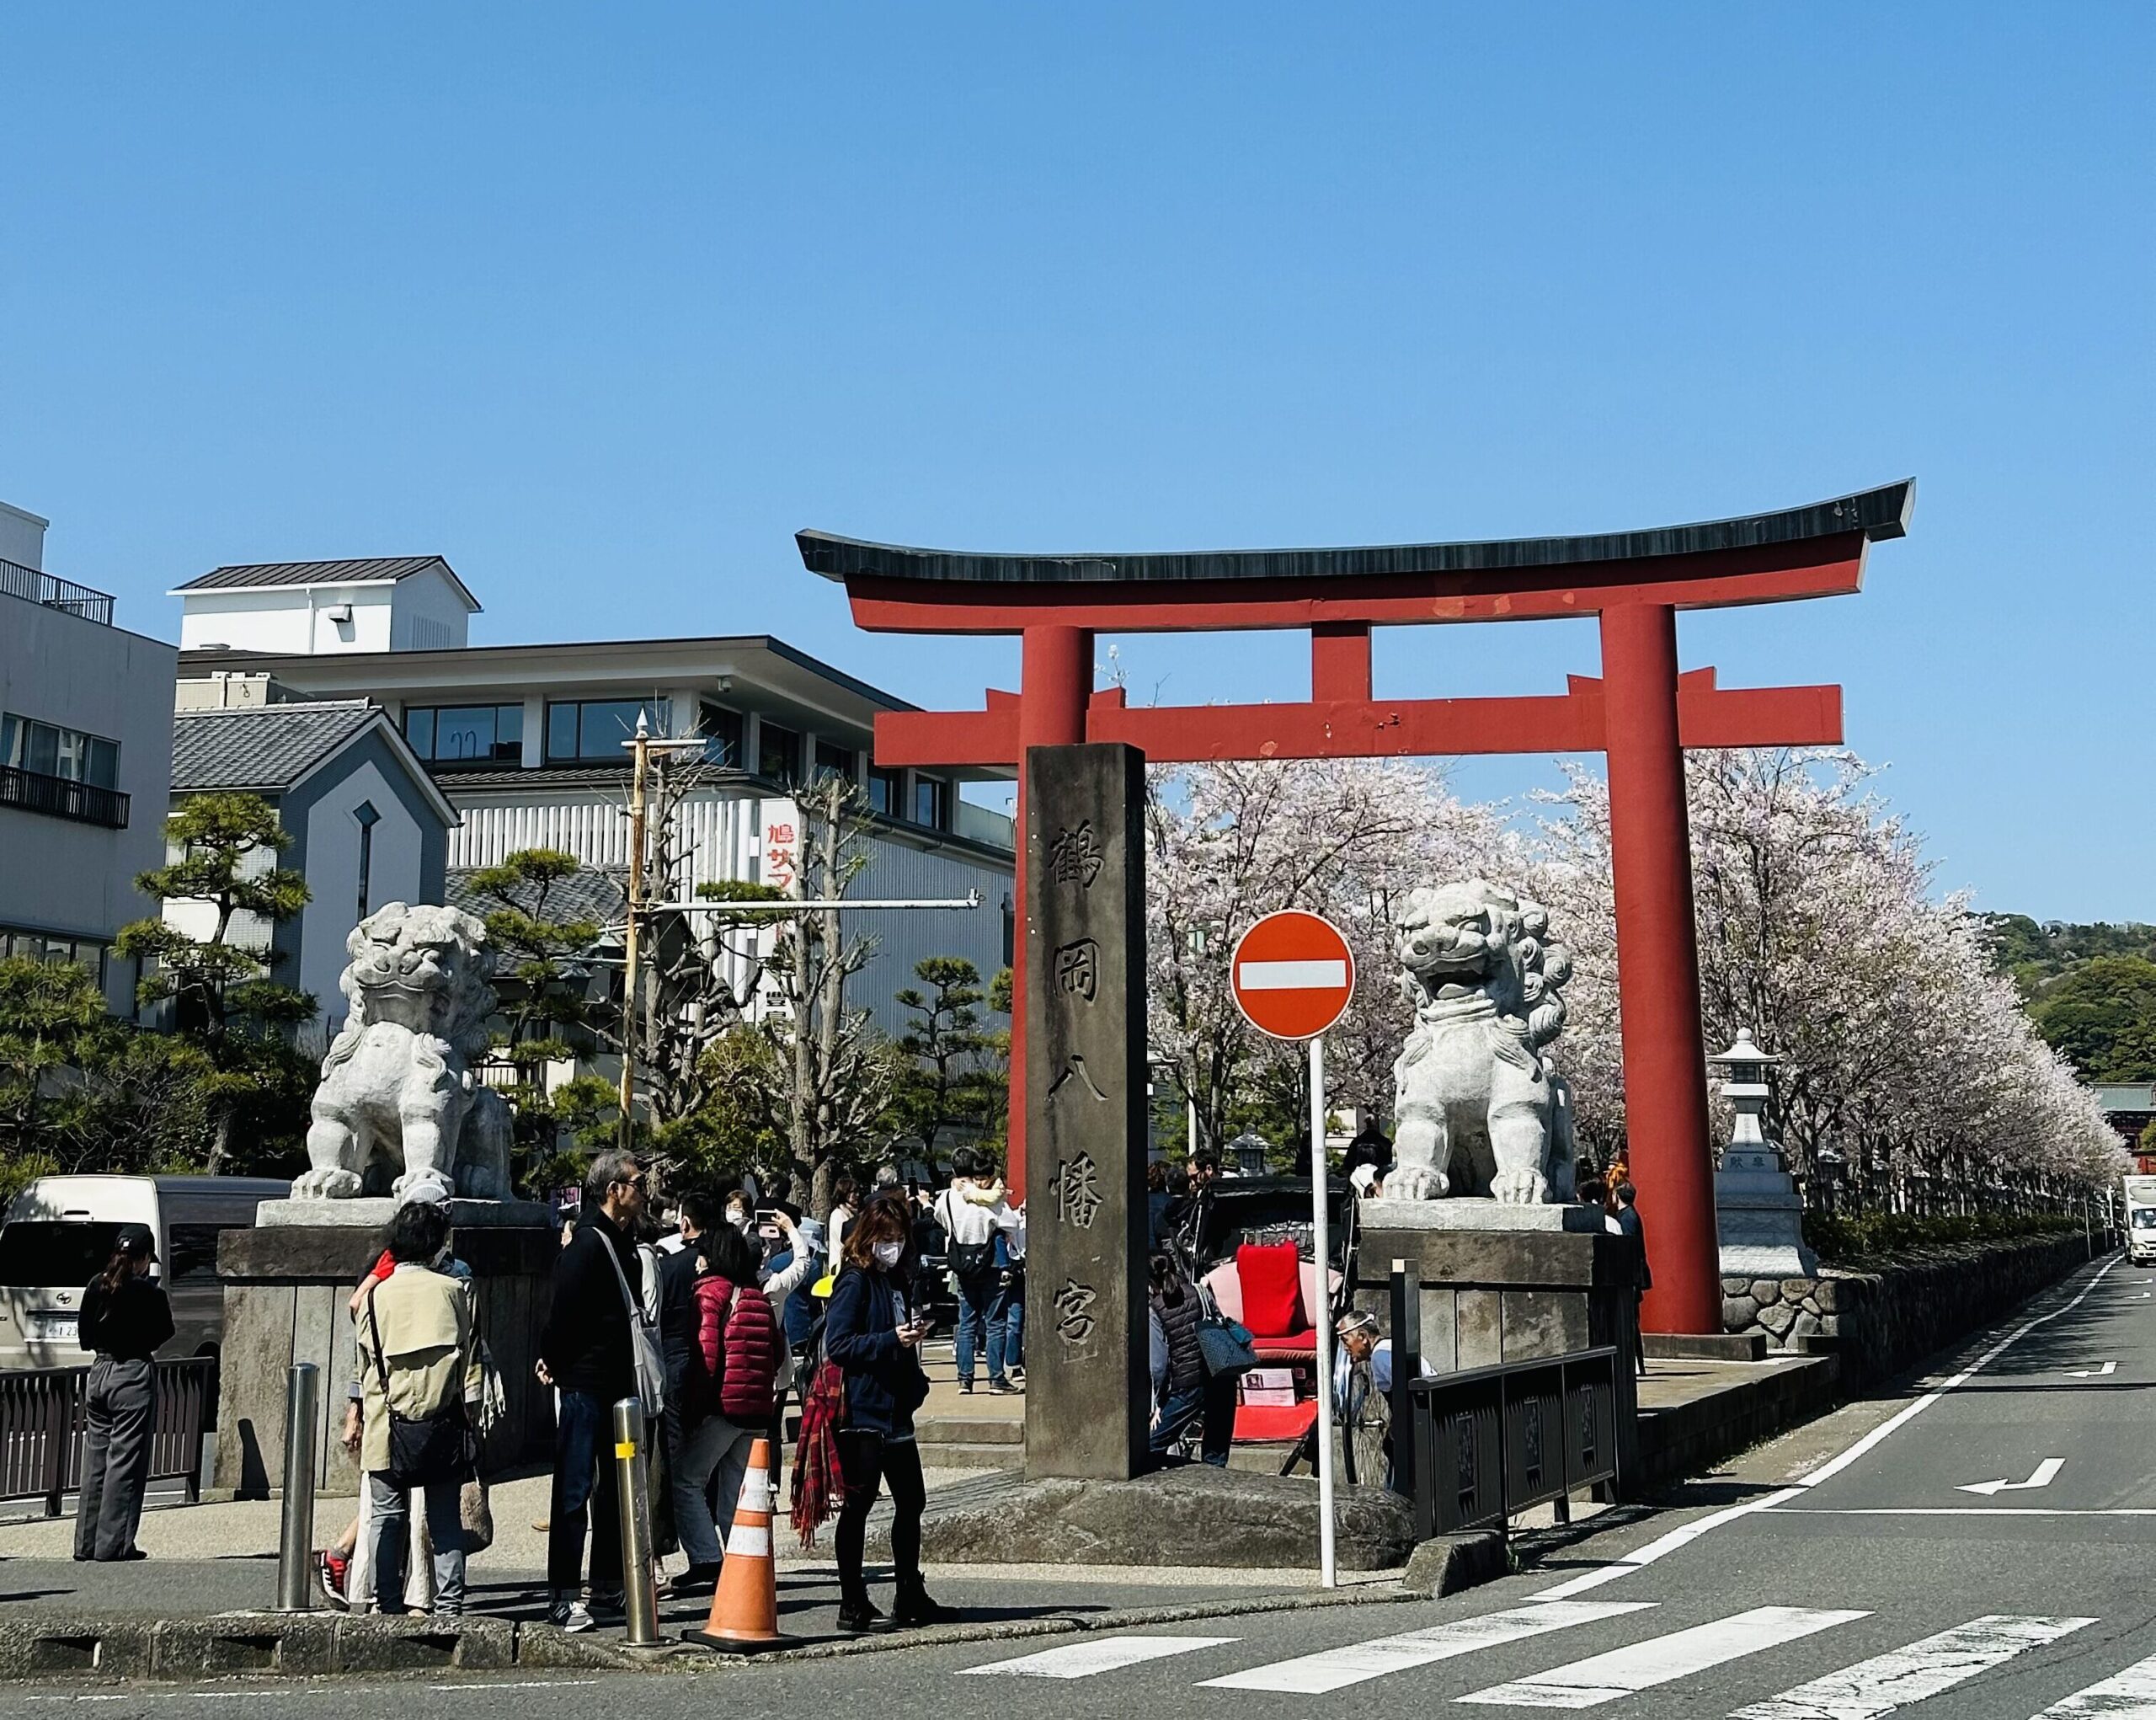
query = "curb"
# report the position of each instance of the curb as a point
(313, 1645)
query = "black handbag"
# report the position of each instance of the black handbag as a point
(1225, 1344)
(424, 1451)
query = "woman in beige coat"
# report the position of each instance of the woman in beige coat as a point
(418, 1357)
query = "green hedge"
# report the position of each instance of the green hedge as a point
(1853, 1240)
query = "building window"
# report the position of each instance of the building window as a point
(61, 772)
(466, 735)
(837, 760)
(593, 730)
(887, 791)
(721, 729)
(86, 952)
(47, 749)
(778, 753)
(366, 818)
(932, 802)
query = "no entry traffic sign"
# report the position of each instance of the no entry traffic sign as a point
(1292, 975)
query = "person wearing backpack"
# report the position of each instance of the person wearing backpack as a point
(423, 1387)
(588, 1352)
(727, 1398)
(972, 1214)
(872, 1340)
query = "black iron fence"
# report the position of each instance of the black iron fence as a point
(1493, 1442)
(41, 1415)
(62, 797)
(16, 580)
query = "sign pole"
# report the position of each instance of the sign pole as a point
(1322, 1315)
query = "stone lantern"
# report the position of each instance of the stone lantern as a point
(1759, 1214)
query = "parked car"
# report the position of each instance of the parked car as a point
(59, 1234)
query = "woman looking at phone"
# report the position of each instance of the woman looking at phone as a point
(873, 1336)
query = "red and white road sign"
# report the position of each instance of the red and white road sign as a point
(1292, 975)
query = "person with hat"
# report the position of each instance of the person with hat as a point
(126, 1316)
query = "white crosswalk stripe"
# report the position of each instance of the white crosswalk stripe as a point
(1335, 1669)
(1096, 1655)
(1878, 1686)
(1664, 1659)
(2131, 1696)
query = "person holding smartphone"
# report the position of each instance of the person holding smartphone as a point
(873, 1335)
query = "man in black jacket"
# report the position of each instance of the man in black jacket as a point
(585, 1355)
(1628, 1222)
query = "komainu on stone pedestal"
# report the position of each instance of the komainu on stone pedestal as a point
(1478, 1110)
(398, 1098)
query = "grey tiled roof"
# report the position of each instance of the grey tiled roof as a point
(595, 893)
(264, 747)
(316, 572)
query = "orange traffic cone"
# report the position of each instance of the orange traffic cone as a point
(744, 1607)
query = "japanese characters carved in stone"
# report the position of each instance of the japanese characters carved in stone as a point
(1479, 1111)
(399, 1103)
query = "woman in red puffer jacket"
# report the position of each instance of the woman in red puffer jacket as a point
(731, 1390)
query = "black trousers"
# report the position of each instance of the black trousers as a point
(864, 1459)
(117, 1417)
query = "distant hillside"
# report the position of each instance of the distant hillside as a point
(2090, 990)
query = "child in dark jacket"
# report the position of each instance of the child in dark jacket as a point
(731, 1383)
(874, 1337)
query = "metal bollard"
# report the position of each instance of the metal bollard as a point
(639, 1596)
(296, 1539)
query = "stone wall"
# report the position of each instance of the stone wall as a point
(1882, 1322)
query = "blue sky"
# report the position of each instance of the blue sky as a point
(603, 304)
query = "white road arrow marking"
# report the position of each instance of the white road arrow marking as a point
(2096, 1373)
(2042, 1476)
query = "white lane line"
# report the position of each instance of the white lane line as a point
(1086, 1659)
(1877, 1687)
(1966, 1511)
(1335, 1669)
(1689, 1532)
(1664, 1659)
(2043, 1474)
(2130, 1696)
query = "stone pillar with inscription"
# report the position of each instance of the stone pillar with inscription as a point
(1087, 1389)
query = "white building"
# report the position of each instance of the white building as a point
(525, 742)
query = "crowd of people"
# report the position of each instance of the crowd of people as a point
(735, 1308)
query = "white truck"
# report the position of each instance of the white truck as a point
(2141, 1220)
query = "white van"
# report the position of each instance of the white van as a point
(59, 1234)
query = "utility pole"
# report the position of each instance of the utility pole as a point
(640, 750)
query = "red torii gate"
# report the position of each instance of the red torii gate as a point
(1642, 712)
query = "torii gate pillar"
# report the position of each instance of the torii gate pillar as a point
(1658, 964)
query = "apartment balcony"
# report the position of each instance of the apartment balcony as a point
(62, 797)
(16, 580)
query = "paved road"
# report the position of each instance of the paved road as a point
(1843, 1573)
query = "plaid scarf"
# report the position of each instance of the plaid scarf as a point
(817, 1482)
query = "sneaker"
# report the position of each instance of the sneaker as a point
(697, 1580)
(570, 1615)
(1018, 1374)
(1003, 1388)
(610, 1606)
(965, 1388)
(333, 1568)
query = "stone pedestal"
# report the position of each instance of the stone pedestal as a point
(1759, 1216)
(287, 1284)
(1501, 1283)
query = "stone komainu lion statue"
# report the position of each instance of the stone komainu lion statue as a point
(397, 1089)
(1476, 1109)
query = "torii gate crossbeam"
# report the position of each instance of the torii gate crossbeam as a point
(1641, 712)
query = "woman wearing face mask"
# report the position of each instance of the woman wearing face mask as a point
(874, 1337)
